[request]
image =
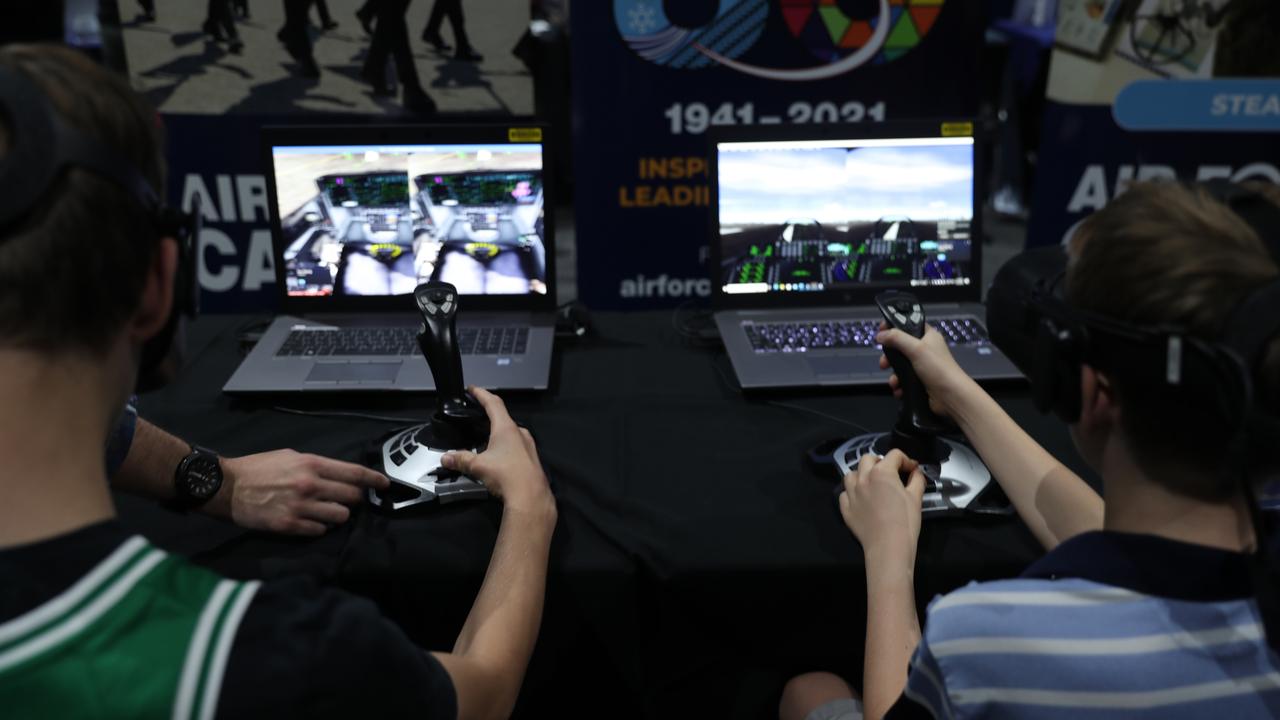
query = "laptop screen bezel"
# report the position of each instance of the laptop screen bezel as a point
(863, 131)
(298, 136)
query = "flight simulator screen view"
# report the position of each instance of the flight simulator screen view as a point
(379, 220)
(829, 215)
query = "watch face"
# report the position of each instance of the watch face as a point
(203, 477)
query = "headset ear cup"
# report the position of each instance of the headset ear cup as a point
(189, 257)
(1043, 378)
(1044, 374)
(1235, 387)
(1070, 401)
(1067, 358)
(1055, 382)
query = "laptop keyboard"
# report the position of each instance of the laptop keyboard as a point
(399, 340)
(839, 334)
(493, 340)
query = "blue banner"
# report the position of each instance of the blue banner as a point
(219, 159)
(1200, 105)
(651, 78)
(1087, 160)
(1172, 96)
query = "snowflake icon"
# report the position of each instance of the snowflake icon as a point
(642, 18)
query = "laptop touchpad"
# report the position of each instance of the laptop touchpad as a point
(361, 372)
(844, 365)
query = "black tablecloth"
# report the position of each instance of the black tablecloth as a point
(699, 561)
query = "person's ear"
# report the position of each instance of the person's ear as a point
(156, 302)
(1098, 405)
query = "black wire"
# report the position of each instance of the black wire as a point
(249, 333)
(257, 325)
(819, 413)
(728, 381)
(725, 378)
(346, 414)
(695, 327)
(573, 320)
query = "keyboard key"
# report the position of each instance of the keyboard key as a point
(824, 335)
(398, 341)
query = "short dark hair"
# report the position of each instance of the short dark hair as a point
(1246, 42)
(1165, 254)
(73, 267)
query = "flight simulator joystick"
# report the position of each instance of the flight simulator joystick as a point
(954, 474)
(917, 428)
(411, 457)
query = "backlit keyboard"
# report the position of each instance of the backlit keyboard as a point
(398, 340)
(838, 334)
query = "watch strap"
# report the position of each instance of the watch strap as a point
(183, 500)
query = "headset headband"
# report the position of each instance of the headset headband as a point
(42, 146)
(1256, 320)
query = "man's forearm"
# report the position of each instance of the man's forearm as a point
(148, 468)
(501, 629)
(893, 632)
(1053, 501)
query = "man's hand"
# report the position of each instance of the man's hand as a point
(509, 466)
(941, 375)
(294, 493)
(881, 512)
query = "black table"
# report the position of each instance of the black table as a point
(699, 561)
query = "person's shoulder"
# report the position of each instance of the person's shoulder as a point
(331, 653)
(1028, 646)
(1031, 592)
(1023, 606)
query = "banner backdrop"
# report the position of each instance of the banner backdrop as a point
(651, 77)
(1151, 90)
(217, 80)
(219, 159)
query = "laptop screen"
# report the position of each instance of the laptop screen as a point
(806, 216)
(377, 220)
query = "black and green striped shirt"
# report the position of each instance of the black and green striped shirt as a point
(97, 623)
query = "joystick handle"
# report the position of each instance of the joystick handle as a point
(438, 303)
(459, 421)
(916, 424)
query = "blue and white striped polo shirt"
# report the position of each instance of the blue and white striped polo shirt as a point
(1108, 625)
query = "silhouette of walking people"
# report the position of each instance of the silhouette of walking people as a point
(451, 9)
(391, 37)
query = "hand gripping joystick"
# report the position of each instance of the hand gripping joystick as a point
(917, 428)
(411, 457)
(459, 421)
(954, 475)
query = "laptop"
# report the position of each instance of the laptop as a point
(361, 215)
(809, 223)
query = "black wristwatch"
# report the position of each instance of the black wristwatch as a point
(197, 478)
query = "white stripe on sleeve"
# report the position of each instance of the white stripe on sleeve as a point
(1098, 646)
(218, 661)
(1141, 700)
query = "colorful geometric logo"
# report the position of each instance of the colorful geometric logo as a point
(823, 27)
(829, 34)
(644, 24)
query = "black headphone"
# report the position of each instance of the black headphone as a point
(42, 146)
(1049, 340)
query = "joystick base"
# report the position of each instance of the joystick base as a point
(411, 460)
(952, 483)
